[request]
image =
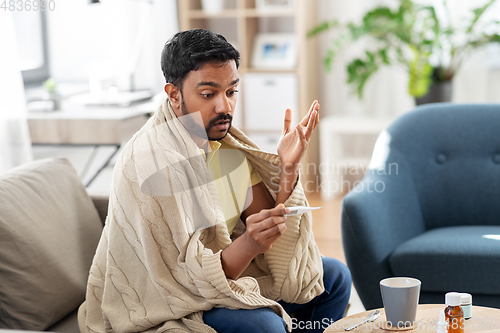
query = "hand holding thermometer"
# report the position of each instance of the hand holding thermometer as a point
(300, 210)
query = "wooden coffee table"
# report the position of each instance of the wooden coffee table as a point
(483, 320)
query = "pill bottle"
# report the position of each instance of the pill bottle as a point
(454, 313)
(466, 304)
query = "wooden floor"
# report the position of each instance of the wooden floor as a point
(326, 225)
(326, 229)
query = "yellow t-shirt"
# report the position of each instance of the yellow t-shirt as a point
(233, 175)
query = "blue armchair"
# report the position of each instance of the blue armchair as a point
(429, 206)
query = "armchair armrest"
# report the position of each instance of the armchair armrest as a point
(378, 215)
(101, 204)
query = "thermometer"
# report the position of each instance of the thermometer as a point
(300, 210)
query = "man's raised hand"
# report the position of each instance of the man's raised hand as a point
(293, 142)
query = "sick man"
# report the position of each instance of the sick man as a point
(197, 236)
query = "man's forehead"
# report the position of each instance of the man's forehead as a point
(222, 74)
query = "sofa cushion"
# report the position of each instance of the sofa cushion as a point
(465, 257)
(68, 324)
(49, 230)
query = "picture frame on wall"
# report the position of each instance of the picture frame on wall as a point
(274, 51)
(274, 4)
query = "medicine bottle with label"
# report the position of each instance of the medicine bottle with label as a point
(466, 305)
(454, 313)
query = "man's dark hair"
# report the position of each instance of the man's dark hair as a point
(189, 50)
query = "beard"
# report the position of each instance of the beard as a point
(196, 128)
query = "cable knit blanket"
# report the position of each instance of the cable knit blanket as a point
(158, 266)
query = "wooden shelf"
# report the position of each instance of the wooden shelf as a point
(233, 13)
(271, 13)
(243, 70)
(200, 14)
(261, 131)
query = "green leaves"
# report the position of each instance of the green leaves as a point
(407, 35)
(384, 57)
(381, 23)
(436, 27)
(50, 86)
(359, 70)
(420, 74)
(330, 55)
(322, 27)
(478, 12)
(483, 40)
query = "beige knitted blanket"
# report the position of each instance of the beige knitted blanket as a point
(158, 266)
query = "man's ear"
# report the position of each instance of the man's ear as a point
(174, 95)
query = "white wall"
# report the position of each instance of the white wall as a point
(83, 37)
(386, 92)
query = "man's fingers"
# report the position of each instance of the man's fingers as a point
(269, 223)
(264, 214)
(302, 135)
(275, 231)
(263, 229)
(267, 226)
(287, 121)
(310, 120)
(317, 116)
(305, 120)
(310, 124)
(272, 221)
(279, 210)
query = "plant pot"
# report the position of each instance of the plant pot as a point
(438, 92)
(54, 98)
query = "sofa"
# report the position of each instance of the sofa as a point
(428, 207)
(49, 231)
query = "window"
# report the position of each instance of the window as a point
(31, 36)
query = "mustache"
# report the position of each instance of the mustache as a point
(219, 118)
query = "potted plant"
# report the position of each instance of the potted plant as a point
(51, 93)
(412, 36)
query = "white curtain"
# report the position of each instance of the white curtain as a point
(15, 143)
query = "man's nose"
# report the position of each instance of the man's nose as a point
(223, 105)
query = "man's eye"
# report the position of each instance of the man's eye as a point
(207, 95)
(231, 93)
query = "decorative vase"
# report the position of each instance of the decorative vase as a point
(438, 92)
(52, 99)
(56, 98)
